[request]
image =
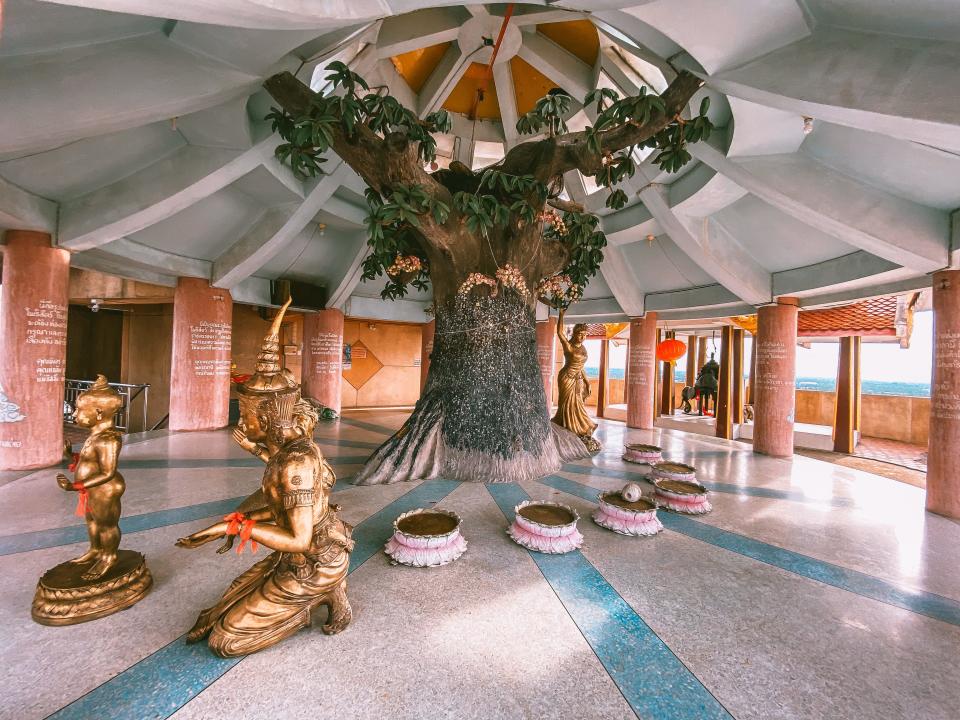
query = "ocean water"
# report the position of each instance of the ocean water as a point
(869, 387)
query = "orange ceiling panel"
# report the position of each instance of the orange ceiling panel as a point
(575, 36)
(462, 97)
(529, 84)
(417, 65)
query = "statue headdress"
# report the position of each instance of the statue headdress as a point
(271, 383)
(105, 396)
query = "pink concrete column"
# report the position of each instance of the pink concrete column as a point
(323, 357)
(33, 348)
(943, 480)
(200, 360)
(546, 353)
(426, 347)
(642, 371)
(775, 397)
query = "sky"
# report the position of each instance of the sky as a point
(878, 361)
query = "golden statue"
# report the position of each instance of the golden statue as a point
(104, 579)
(573, 386)
(290, 515)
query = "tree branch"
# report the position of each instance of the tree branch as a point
(555, 156)
(383, 163)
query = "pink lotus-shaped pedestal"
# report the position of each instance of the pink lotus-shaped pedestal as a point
(546, 527)
(638, 517)
(678, 490)
(640, 453)
(426, 538)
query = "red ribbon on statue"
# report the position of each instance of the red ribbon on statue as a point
(72, 467)
(81, 510)
(246, 529)
(238, 524)
(233, 521)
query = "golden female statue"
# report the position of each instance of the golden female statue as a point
(104, 579)
(290, 514)
(573, 386)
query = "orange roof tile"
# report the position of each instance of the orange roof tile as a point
(873, 317)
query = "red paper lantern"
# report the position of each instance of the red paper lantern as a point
(671, 350)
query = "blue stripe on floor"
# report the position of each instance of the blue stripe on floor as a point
(915, 601)
(652, 679)
(54, 537)
(726, 488)
(372, 427)
(166, 680)
(188, 463)
(40, 539)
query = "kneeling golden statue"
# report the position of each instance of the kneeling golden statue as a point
(104, 579)
(290, 514)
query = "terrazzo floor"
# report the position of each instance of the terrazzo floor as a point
(811, 591)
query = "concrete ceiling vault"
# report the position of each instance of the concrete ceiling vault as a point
(139, 142)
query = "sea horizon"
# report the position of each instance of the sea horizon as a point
(819, 384)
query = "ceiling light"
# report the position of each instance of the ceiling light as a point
(322, 227)
(807, 124)
(650, 238)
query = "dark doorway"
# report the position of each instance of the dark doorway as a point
(94, 343)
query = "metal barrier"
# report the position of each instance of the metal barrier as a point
(129, 393)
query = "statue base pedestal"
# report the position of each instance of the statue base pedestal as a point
(64, 598)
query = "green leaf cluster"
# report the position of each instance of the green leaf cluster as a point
(392, 222)
(308, 137)
(547, 115)
(672, 140)
(585, 241)
(614, 111)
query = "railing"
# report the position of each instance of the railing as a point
(129, 393)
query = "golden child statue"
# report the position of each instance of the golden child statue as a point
(573, 386)
(290, 514)
(104, 579)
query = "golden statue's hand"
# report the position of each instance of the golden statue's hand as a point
(202, 537)
(241, 439)
(64, 482)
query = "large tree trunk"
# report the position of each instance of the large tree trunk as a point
(483, 413)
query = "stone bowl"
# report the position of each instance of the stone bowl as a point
(426, 537)
(684, 496)
(546, 527)
(627, 518)
(643, 454)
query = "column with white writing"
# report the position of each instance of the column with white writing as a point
(943, 456)
(33, 347)
(200, 361)
(775, 397)
(641, 371)
(322, 370)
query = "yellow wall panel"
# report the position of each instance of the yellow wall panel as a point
(392, 386)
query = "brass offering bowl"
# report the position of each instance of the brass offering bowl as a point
(547, 527)
(685, 496)
(426, 537)
(637, 517)
(643, 454)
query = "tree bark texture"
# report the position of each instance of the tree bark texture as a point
(482, 415)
